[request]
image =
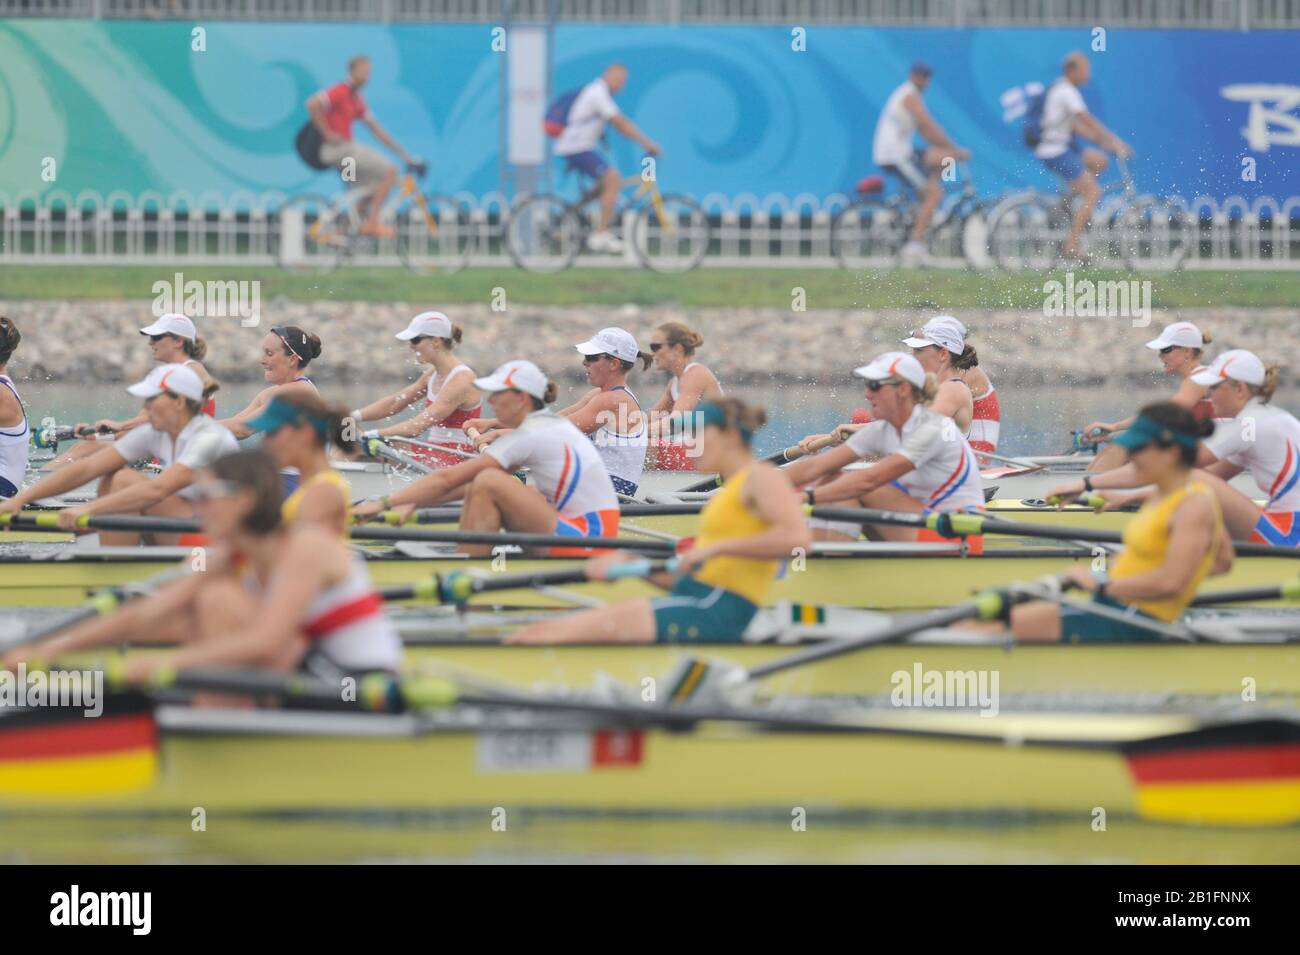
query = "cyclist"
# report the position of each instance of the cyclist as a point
(1065, 120)
(584, 130)
(894, 151)
(332, 113)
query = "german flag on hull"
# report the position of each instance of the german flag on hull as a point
(1241, 775)
(58, 752)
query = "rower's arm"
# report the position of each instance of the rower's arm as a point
(141, 495)
(439, 486)
(854, 484)
(134, 621)
(238, 425)
(310, 557)
(398, 401)
(816, 466)
(952, 398)
(447, 402)
(580, 403)
(664, 404)
(589, 415)
(104, 461)
(1189, 393)
(1192, 538)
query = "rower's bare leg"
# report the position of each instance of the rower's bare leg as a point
(631, 621)
(1240, 513)
(890, 498)
(496, 500)
(1038, 621)
(173, 506)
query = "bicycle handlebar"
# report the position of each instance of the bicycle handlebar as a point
(417, 168)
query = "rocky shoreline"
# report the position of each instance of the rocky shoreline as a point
(96, 341)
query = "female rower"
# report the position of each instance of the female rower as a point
(296, 430)
(750, 525)
(1257, 437)
(174, 340)
(272, 595)
(450, 398)
(179, 436)
(609, 413)
(925, 463)
(1180, 347)
(673, 347)
(287, 350)
(1171, 545)
(15, 433)
(571, 493)
(965, 393)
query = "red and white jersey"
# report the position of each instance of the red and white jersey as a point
(563, 463)
(348, 625)
(986, 421)
(1265, 441)
(945, 475)
(451, 429)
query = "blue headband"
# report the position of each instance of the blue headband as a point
(1144, 431)
(709, 413)
(279, 413)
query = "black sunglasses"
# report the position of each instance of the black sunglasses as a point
(1167, 349)
(592, 359)
(419, 338)
(158, 338)
(655, 346)
(877, 385)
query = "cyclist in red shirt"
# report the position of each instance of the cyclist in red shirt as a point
(333, 111)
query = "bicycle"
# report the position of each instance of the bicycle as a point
(1026, 230)
(668, 233)
(871, 231)
(433, 233)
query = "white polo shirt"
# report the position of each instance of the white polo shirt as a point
(591, 110)
(200, 443)
(945, 474)
(1265, 441)
(1063, 102)
(563, 463)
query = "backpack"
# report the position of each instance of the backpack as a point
(1031, 124)
(308, 143)
(557, 114)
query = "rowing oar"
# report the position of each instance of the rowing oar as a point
(449, 515)
(792, 453)
(1287, 590)
(448, 449)
(967, 524)
(693, 674)
(458, 586)
(377, 448)
(48, 522)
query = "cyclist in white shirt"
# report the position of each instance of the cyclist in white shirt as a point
(179, 435)
(578, 144)
(1065, 120)
(893, 149)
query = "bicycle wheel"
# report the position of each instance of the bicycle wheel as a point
(671, 235)
(312, 234)
(868, 234)
(544, 234)
(435, 234)
(1026, 232)
(1156, 235)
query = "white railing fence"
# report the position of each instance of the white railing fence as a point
(1192, 14)
(746, 230)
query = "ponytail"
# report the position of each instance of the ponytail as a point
(1265, 391)
(552, 392)
(967, 360)
(195, 349)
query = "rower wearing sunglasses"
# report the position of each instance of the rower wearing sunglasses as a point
(174, 340)
(1250, 435)
(287, 350)
(272, 595)
(923, 463)
(450, 398)
(1171, 545)
(1180, 347)
(178, 435)
(570, 492)
(609, 413)
(296, 431)
(690, 383)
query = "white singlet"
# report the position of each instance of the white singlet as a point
(14, 441)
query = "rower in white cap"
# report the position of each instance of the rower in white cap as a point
(965, 393)
(1251, 436)
(570, 495)
(609, 413)
(924, 465)
(450, 398)
(178, 435)
(1181, 347)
